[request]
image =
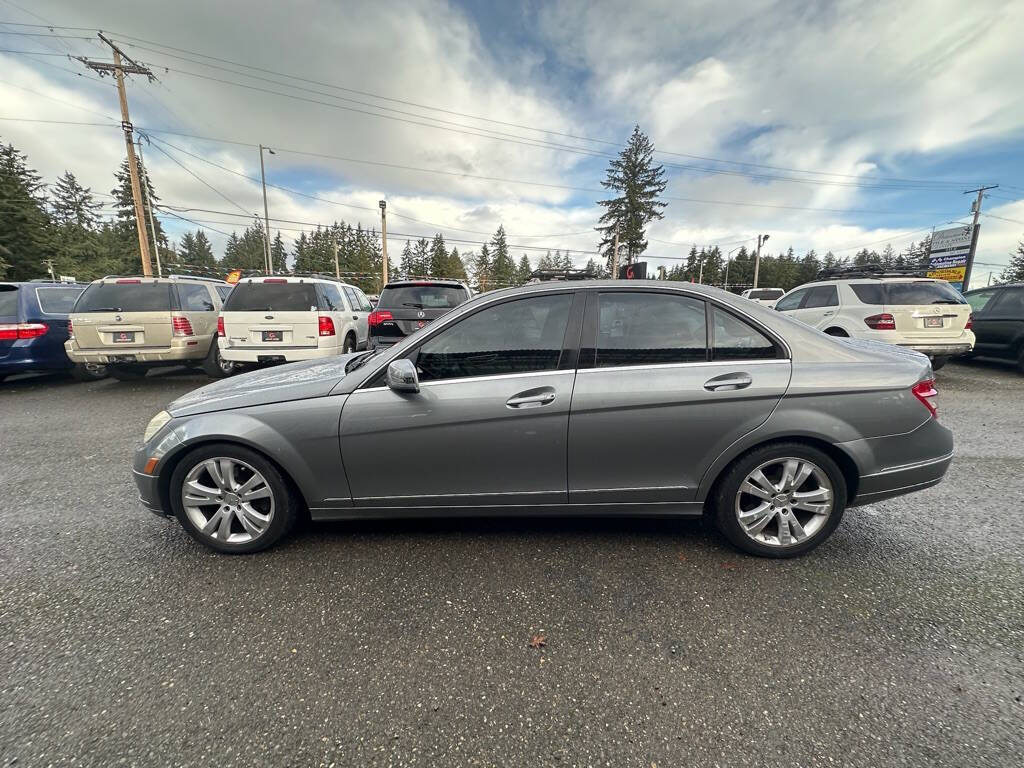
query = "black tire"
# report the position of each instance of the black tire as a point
(127, 371)
(938, 362)
(82, 372)
(287, 503)
(728, 487)
(837, 332)
(349, 345)
(1020, 361)
(215, 366)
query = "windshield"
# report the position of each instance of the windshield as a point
(272, 297)
(125, 297)
(57, 301)
(922, 292)
(425, 296)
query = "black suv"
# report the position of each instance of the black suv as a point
(998, 322)
(405, 306)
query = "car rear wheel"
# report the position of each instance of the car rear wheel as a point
(938, 362)
(780, 500)
(349, 344)
(232, 499)
(126, 371)
(215, 366)
(88, 372)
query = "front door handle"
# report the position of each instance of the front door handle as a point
(532, 398)
(728, 381)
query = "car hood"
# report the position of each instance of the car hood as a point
(294, 381)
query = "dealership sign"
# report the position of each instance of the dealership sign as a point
(947, 259)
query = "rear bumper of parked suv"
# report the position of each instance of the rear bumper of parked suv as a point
(941, 350)
(265, 354)
(181, 350)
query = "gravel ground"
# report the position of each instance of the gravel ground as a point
(898, 642)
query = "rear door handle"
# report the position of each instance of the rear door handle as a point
(830, 312)
(728, 381)
(531, 399)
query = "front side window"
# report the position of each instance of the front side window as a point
(792, 301)
(364, 303)
(650, 329)
(515, 337)
(194, 298)
(734, 339)
(353, 300)
(332, 297)
(822, 296)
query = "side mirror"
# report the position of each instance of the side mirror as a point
(401, 377)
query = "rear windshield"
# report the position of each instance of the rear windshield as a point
(8, 300)
(422, 296)
(272, 297)
(922, 293)
(125, 297)
(766, 294)
(57, 301)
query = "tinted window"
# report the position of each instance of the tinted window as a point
(125, 297)
(1010, 304)
(57, 301)
(868, 293)
(822, 296)
(422, 296)
(194, 298)
(8, 301)
(364, 303)
(922, 293)
(765, 294)
(332, 296)
(734, 339)
(272, 297)
(792, 301)
(979, 299)
(514, 337)
(650, 328)
(224, 291)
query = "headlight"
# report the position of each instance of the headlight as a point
(155, 425)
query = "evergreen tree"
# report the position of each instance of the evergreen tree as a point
(278, 253)
(406, 266)
(638, 183)
(127, 239)
(438, 257)
(230, 260)
(546, 261)
(524, 270)
(187, 248)
(301, 253)
(456, 267)
(421, 258)
(25, 236)
(503, 269)
(1014, 272)
(594, 269)
(482, 266)
(72, 203)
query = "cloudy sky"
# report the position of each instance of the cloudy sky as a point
(828, 125)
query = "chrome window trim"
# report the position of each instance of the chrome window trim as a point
(701, 364)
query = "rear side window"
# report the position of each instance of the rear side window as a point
(194, 298)
(57, 301)
(1010, 304)
(979, 300)
(650, 329)
(353, 300)
(224, 291)
(868, 293)
(792, 301)
(364, 303)
(125, 297)
(822, 296)
(8, 301)
(922, 293)
(733, 339)
(426, 296)
(272, 297)
(332, 296)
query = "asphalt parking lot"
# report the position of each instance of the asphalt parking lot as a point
(900, 641)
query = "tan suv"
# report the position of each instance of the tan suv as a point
(132, 324)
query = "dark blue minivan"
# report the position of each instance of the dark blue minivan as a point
(34, 327)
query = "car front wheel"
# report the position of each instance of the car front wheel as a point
(780, 500)
(232, 499)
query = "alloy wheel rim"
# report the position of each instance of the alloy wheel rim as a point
(784, 502)
(228, 500)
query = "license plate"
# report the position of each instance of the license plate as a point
(933, 322)
(420, 323)
(273, 335)
(124, 337)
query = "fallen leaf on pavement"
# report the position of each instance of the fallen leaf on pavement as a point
(538, 641)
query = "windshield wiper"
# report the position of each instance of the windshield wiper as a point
(357, 362)
(103, 309)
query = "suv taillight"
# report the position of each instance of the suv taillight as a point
(180, 326)
(882, 322)
(326, 326)
(926, 393)
(970, 322)
(71, 329)
(379, 316)
(13, 331)
(220, 326)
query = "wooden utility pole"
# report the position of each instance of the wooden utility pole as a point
(337, 269)
(149, 206)
(615, 254)
(974, 233)
(761, 239)
(118, 69)
(384, 239)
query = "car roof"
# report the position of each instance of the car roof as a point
(160, 279)
(427, 281)
(293, 279)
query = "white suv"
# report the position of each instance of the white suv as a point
(283, 319)
(765, 296)
(926, 315)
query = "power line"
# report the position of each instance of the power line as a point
(195, 175)
(59, 101)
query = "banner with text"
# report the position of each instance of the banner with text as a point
(947, 259)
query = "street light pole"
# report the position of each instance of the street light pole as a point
(757, 260)
(384, 242)
(266, 214)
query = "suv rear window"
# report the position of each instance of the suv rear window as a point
(57, 301)
(426, 296)
(272, 297)
(125, 297)
(922, 293)
(8, 300)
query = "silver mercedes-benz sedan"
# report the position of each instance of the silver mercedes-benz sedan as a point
(590, 398)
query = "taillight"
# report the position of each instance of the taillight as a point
(326, 326)
(275, 280)
(220, 326)
(12, 331)
(882, 322)
(926, 393)
(71, 329)
(180, 326)
(970, 322)
(379, 316)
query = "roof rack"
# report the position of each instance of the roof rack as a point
(166, 277)
(257, 273)
(544, 275)
(871, 271)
